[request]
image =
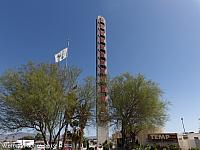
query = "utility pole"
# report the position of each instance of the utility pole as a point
(199, 124)
(183, 126)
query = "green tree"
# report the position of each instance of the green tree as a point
(69, 114)
(38, 137)
(106, 145)
(83, 112)
(36, 96)
(85, 106)
(135, 105)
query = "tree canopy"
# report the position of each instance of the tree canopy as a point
(45, 97)
(135, 105)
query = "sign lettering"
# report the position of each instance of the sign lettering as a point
(162, 136)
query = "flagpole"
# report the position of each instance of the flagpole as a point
(67, 52)
(60, 117)
(58, 58)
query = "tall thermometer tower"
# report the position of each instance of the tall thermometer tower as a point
(101, 81)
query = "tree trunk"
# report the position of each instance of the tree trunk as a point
(44, 138)
(133, 138)
(75, 143)
(50, 141)
(80, 139)
(123, 132)
(64, 137)
(59, 132)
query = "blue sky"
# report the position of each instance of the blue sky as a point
(158, 38)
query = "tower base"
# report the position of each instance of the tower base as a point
(102, 134)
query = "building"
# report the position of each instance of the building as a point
(141, 138)
(189, 140)
(185, 141)
(101, 81)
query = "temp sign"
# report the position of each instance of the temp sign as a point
(162, 136)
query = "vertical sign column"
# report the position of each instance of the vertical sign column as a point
(101, 77)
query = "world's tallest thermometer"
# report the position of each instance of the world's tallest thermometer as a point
(101, 81)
